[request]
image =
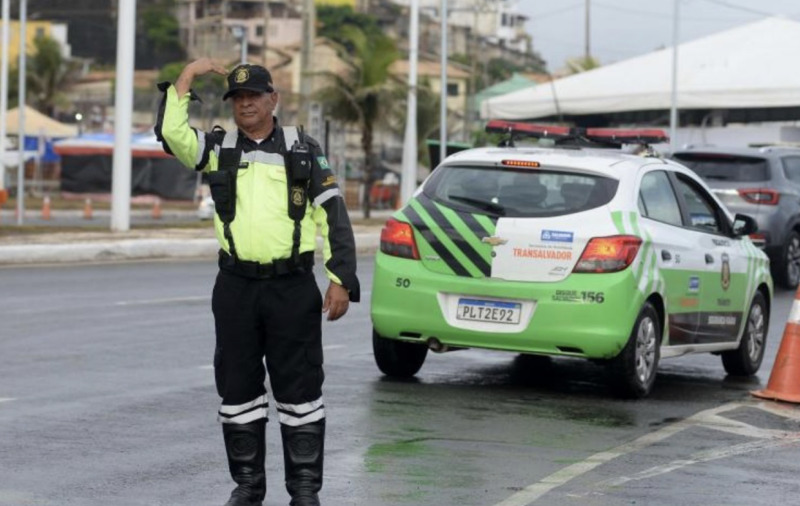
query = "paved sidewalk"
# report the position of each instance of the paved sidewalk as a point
(136, 244)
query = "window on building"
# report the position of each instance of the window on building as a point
(260, 31)
(40, 32)
(452, 89)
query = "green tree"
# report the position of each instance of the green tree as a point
(362, 94)
(48, 73)
(428, 113)
(160, 30)
(334, 21)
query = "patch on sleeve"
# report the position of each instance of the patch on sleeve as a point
(329, 180)
(323, 162)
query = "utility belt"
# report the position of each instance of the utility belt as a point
(283, 267)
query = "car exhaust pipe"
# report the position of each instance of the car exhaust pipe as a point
(436, 346)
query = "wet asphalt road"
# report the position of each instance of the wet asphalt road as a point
(107, 398)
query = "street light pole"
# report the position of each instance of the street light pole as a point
(443, 78)
(123, 112)
(673, 112)
(23, 15)
(4, 93)
(587, 35)
(409, 172)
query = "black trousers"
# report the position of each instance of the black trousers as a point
(277, 321)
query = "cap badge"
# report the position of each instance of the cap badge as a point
(242, 75)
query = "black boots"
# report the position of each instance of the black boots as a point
(303, 449)
(245, 447)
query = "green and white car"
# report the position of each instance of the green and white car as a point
(572, 251)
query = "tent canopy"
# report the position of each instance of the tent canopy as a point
(37, 123)
(748, 67)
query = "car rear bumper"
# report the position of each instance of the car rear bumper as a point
(584, 315)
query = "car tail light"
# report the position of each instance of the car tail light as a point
(608, 254)
(760, 196)
(760, 240)
(397, 239)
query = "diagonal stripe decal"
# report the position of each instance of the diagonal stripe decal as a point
(438, 247)
(458, 239)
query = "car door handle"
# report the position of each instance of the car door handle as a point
(709, 259)
(666, 255)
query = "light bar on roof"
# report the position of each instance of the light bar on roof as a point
(626, 136)
(528, 130)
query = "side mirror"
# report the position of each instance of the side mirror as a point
(743, 225)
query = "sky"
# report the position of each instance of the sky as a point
(622, 29)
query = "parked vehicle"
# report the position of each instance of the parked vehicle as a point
(765, 184)
(572, 251)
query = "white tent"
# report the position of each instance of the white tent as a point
(752, 66)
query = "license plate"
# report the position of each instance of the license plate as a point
(489, 311)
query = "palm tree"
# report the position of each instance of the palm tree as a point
(48, 73)
(362, 93)
(428, 113)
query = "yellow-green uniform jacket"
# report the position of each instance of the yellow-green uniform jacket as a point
(262, 230)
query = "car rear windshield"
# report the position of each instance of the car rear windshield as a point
(518, 193)
(722, 167)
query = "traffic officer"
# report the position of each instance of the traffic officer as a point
(273, 189)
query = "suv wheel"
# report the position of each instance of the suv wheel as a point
(746, 359)
(634, 369)
(788, 265)
(395, 358)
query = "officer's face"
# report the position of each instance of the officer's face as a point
(252, 109)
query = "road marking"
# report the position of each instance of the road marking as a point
(6, 399)
(709, 418)
(206, 367)
(162, 301)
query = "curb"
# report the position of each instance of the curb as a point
(133, 249)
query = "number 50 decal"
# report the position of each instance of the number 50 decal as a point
(402, 283)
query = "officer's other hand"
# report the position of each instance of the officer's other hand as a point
(204, 66)
(336, 301)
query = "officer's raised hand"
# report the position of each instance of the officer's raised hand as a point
(197, 68)
(336, 302)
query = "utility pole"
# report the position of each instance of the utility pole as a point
(267, 13)
(123, 112)
(443, 98)
(23, 15)
(408, 181)
(587, 35)
(4, 94)
(306, 60)
(673, 110)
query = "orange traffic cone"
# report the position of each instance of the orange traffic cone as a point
(87, 209)
(784, 380)
(46, 208)
(157, 209)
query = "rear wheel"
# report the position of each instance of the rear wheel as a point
(634, 369)
(788, 265)
(746, 359)
(395, 358)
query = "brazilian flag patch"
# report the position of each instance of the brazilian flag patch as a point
(323, 162)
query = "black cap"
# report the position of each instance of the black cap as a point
(249, 77)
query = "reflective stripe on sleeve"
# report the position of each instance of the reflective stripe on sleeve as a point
(201, 147)
(324, 196)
